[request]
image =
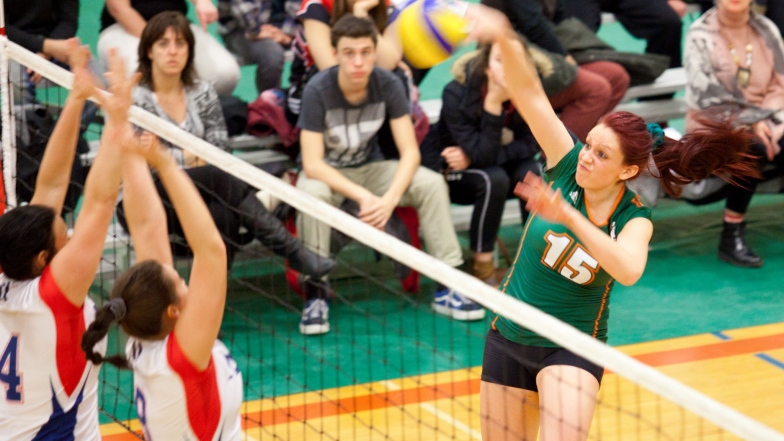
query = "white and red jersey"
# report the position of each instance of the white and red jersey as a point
(48, 389)
(175, 401)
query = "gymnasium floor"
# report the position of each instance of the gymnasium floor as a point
(717, 328)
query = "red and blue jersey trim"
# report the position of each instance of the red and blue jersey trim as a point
(70, 327)
(202, 397)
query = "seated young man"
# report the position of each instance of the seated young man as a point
(343, 108)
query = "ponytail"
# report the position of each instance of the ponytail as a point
(715, 149)
(112, 311)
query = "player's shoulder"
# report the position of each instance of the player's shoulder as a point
(18, 294)
(632, 206)
(147, 357)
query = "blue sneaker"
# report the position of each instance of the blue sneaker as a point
(450, 303)
(315, 316)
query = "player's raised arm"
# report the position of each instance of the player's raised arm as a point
(142, 205)
(74, 267)
(54, 173)
(198, 324)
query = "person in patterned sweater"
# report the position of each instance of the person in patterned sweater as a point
(169, 89)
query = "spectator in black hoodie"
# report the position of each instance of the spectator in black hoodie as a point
(483, 146)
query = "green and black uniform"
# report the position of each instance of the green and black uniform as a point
(555, 272)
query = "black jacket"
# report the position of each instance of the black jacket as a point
(29, 23)
(528, 18)
(465, 123)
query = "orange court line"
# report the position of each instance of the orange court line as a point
(127, 436)
(446, 390)
(720, 349)
(361, 403)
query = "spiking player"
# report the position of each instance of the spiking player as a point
(586, 230)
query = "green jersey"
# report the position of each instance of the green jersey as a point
(554, 271)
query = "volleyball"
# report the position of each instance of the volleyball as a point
(430, 30)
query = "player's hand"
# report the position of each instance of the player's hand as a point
(456, 158)
(487, 24)
(206, 13)
(84, 82)
(151, 149)
(542, 200)
(117, 104)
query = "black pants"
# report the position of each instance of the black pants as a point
(739, 196)
(222, 193)
(488, 189)
(652, 20)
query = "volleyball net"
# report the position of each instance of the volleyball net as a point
(390, 368)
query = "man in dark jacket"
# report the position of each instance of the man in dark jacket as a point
(43, 27)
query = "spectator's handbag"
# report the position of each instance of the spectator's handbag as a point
(583, 44)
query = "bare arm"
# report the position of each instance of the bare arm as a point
(126, 16)
(73, 268)
(54, 173)
(389, 51)
(144, 209)
(624, 258)
(530, 100)
(199, 324)
(317, 34)
(315, 167)
(206, 12)
(405, 139)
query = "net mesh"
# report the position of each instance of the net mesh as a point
(389, 368)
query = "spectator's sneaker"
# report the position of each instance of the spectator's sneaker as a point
(315, 316)
(450, 303)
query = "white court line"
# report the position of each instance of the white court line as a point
(246, 437)
(443, 416)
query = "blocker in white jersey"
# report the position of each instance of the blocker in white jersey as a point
(49, 390)
(175, 401)
(187, 386)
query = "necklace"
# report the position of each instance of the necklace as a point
(743, 76)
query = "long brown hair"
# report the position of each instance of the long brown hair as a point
(717, 149)
(153, 32)
(146, 292)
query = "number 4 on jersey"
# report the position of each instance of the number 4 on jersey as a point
(8, 370)
(580, 267)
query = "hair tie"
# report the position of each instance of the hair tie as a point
(118, 308)
(657, 134)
